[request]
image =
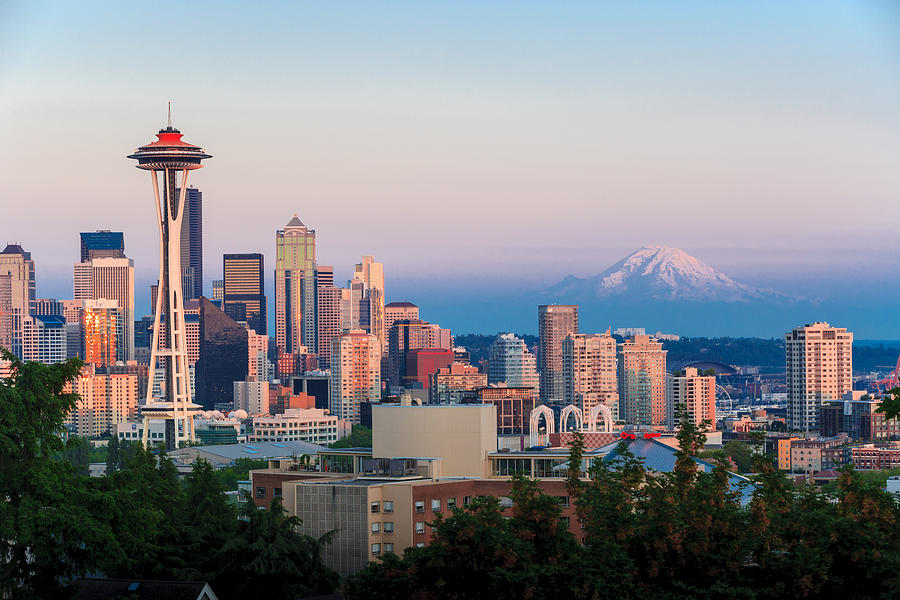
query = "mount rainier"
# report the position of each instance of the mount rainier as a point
(661, 273)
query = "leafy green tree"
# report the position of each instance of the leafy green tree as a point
(239, 471)
(113, 457)
(46, 523)
(741, 453)
(269, 558)
(890, 404)
(360, 437)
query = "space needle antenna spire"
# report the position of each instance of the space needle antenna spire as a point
(169, 160)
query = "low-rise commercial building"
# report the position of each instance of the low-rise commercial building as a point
(856, 416)
(313, 425)
(871, 457)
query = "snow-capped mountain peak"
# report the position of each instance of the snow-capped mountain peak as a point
(661, 273)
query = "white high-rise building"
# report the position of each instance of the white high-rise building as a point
(110, 279)
(589, 371)
(44, 339)
(252, 397)
(511, 363)
(819, 368)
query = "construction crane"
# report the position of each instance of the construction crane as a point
(891, 381)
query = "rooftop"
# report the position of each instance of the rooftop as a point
(260, 450)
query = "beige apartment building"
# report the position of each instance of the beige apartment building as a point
(819, 369)
(355, 373)
(555, 322)
(698, 394)
(589, 371)
(105, 401)
(642, 382)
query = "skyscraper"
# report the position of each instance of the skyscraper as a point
(511, 362)
(17, 295)
(102, 243)
(355, 373)
(589, 371)
(192, 243)
(102, 331)
(245, 293)
(371, 273)
(224, 352)
(328, 312)
(412, 334)
(398, 311)
(168, 156)
(819, 368)
(110, 279)
(642, 382)
(555, 322)
(295, 287)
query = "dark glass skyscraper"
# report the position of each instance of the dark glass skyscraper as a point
(223, 356)
(245, 293)
(102, 244)
(192, 244)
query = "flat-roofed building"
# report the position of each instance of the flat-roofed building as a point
(355, 373)
(697, 393)
(514, 406)
(589, 371)
(460, 435)
(313, 425)
(642, 382)
(44, 339)
(455, 382)
(555, 322)
(104, 401)
(819, 368)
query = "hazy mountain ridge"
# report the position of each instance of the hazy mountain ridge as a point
(662, 273)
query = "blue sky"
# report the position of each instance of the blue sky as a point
(464, 142)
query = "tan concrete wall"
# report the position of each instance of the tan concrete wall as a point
(460, 435)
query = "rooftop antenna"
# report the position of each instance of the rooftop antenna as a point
(170, 114)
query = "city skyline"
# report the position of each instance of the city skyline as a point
(733, 161)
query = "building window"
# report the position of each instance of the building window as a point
(376, 507)
(420, 527)
(388, 506)
(563, 501)
(388, 548)
(451, 503)
(376, 548)
(420, 545)
(436, 504)
(420, 506)
(276, 492)
(376, 527)
(389, 527)
(467, 500)
(260, 492)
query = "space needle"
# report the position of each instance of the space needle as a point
(170, 157)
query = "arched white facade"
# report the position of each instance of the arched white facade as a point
(564, 418)
(594, 415)
(543, 409)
